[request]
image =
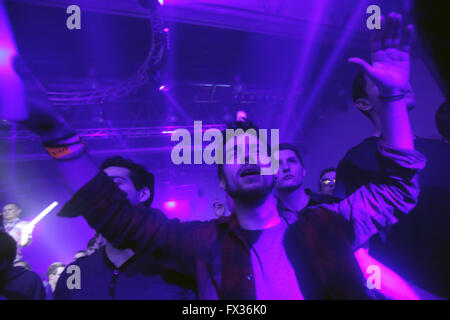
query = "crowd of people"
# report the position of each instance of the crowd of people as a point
(281, 241)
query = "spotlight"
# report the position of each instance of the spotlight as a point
(241, 115)
(170, 205)
(163, 88)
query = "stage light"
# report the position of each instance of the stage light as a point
(170, 205)
(241, 115)
(161, 2)
(163, 88)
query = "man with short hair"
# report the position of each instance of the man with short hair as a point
(14, 226)
(53, 273)
(289, 186)
(327, 181)
(113, 273)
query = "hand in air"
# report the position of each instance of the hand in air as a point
(42, 118)
(390, 56)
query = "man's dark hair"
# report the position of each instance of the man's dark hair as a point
(326, 171)
(288, 146)
(235, 125)
(442, 118)
(139, 175)
(359, 88)
(322, 174)
(53, 267)
(91, 242)
(8, 250)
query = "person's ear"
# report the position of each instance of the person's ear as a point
(144, 194)
(363, 104)
(304, 172)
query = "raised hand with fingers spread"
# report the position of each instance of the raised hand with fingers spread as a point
(390, 56)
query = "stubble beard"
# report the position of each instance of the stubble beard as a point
(251, 197)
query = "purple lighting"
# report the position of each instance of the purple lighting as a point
(392, 285)
(163, 88)
(161, 2)
(11, 89)
(170, 205)
(329, 66)
(5, 56)
(304, 63)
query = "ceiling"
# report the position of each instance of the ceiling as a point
(224, 56)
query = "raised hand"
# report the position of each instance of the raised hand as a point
(390, 56)
(42, 118)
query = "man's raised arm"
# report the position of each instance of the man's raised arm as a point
(60, 141)
(390, 70)
(371, 207)
(96, 197)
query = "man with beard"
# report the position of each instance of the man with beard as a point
(257, 252)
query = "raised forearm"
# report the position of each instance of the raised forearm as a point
(395, 124)
(371, 207)
(77, 172)
(144, 230)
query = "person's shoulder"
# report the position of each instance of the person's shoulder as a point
(13, 273)
(369, 143)
(319, 198)
(88, 259)
(326, 217)
(320, 210)
(20, 273)
(31, 275)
